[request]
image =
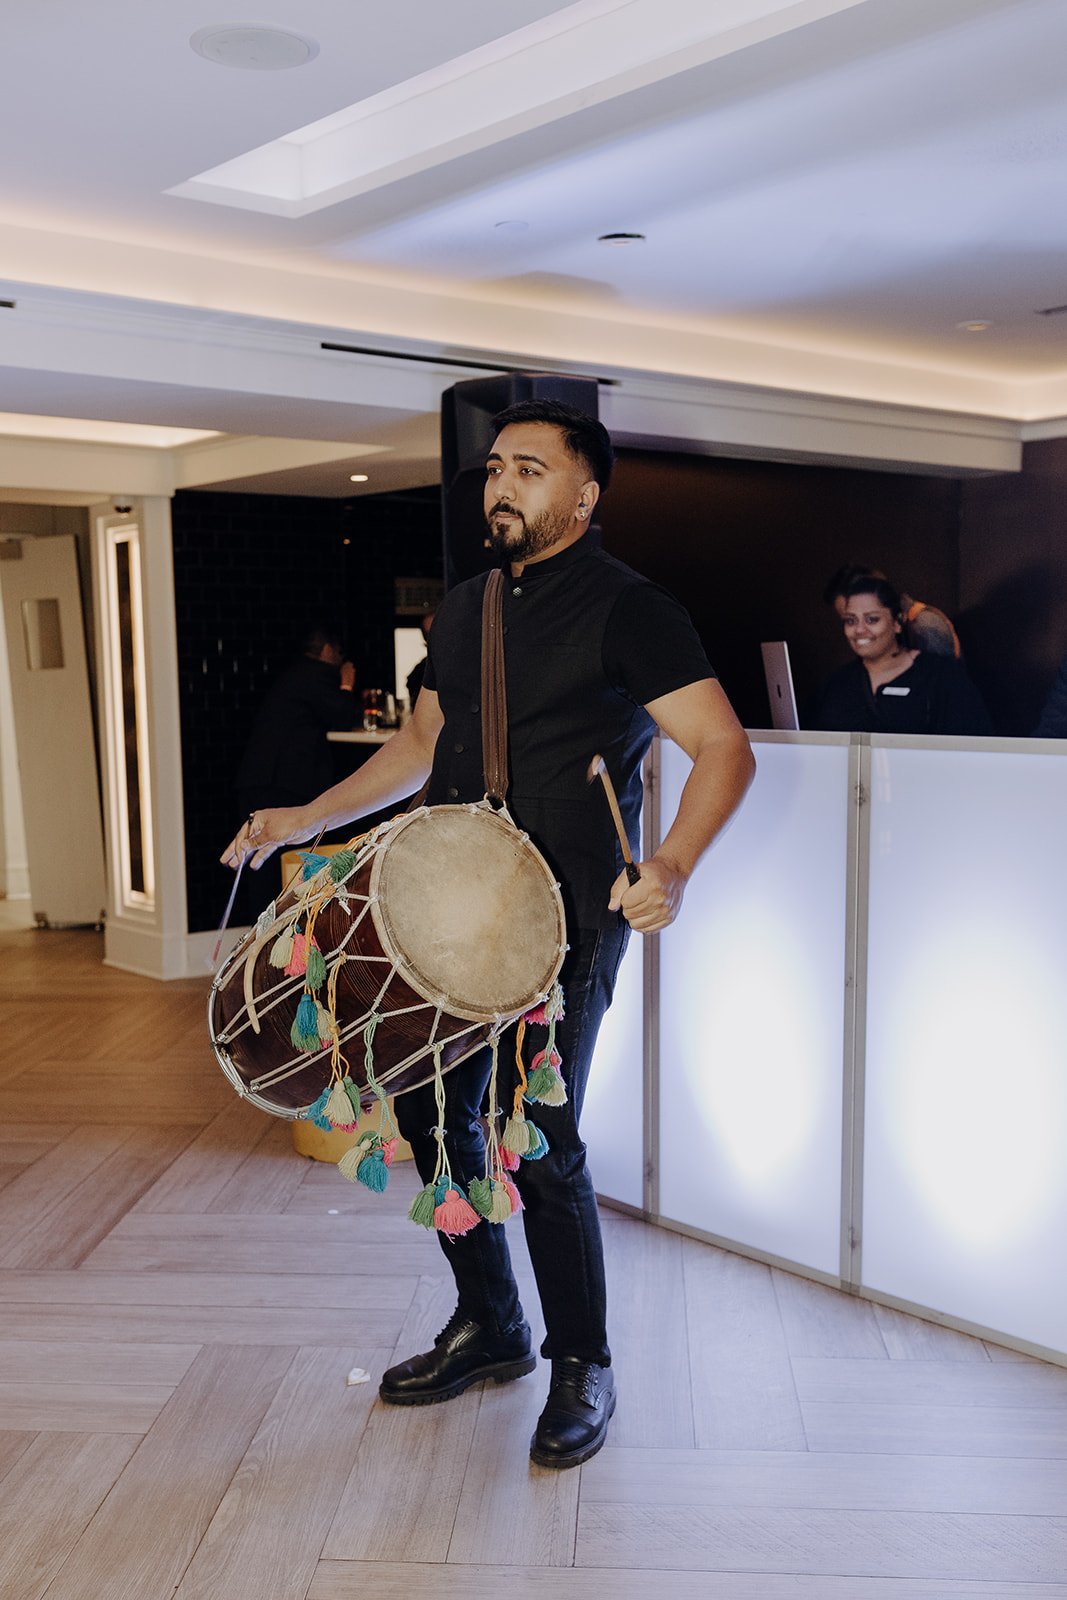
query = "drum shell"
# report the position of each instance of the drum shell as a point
(410, 1012)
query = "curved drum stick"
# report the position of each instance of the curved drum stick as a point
(597, 769)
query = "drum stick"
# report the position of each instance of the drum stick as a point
(226, 914)
(597, 769)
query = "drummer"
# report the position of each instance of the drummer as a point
(596, 659)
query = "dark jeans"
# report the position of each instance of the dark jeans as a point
(560, 1216)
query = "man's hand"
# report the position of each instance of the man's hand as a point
(654, 900)
(264, 831)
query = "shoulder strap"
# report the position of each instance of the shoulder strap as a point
(494, 691)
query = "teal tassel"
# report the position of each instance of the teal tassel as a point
(373, 1172)
(538, 1144)
(316, 967)
(480, 1195)
(317, 1113)
(312, 863)
(341, 864)
(304, 1031)
(444, 1183)
(423, 1207)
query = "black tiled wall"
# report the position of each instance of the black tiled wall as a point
(251, 574)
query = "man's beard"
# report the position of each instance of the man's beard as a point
(518, 539)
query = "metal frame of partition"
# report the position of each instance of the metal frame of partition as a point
(854, 1000)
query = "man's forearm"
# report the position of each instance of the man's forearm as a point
(713, 791)
(398, 769)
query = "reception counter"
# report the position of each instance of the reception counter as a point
(849, 1055)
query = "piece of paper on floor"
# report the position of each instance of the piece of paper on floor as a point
(357, 1375)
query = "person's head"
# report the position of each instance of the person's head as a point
(547, 467)
(873, 618)
(324, 643)
(837, 587)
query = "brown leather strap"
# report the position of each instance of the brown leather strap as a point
(494, 691)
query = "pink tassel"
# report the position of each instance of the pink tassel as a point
(513, 1195)
(455, 1215)
(299, 959)
(537, 1015)
(509, 1160)
(555, 1061)
(389, 1151)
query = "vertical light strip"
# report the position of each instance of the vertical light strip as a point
(127, 535)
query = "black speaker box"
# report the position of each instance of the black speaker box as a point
(467, 412)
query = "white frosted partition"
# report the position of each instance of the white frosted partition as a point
(751, 1011)
(613, 1114)
(965, 1174)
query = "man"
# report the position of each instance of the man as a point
(595, 658)
(927, 628)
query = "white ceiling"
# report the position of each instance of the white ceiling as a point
(828, 188)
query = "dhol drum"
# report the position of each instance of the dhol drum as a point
(408, 950)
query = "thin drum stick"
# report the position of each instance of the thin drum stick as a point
(597, 769)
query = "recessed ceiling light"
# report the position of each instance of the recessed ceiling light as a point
(359, 477)
(255, 49)
(974, 327)
(621, 238)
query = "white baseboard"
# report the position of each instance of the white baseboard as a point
(15, 881)
(154, 955)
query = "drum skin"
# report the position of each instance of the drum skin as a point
(450, 908)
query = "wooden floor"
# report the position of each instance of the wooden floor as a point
(182, 1298)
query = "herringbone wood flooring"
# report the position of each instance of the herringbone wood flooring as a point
(182, 1297)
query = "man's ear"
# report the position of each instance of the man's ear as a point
(587, 499)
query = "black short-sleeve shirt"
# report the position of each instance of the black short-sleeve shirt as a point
(588, 643)
(934, 695)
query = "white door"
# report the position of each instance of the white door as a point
(42, 615)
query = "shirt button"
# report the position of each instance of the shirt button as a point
(476, 708)
(504, 629)
(516, 590)
(458, 749)
(453, 794)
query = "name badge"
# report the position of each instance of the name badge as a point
(889, 689)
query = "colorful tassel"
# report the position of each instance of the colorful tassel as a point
(514, 1197)
(373, 1171)
(341, 864)
(296, 966)
(304, 1031)
(480, 1195)
(339, 1110)
(325, 1024)
(516, 1135)
(389, 1150)
(454, 1215)
(423, 1207)
(316, 1113)
(315, 966)
(501, 1208)
(538, 1145)
(281, 951)
(545, 1084)
(509, 1160)
(348, 1166)
(312, 863)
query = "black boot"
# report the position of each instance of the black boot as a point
(574, 1423)
(463, 1353)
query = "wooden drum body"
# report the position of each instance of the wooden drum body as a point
(448, 926)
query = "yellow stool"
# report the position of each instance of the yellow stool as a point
(323, 1145)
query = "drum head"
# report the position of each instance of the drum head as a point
(471, 911)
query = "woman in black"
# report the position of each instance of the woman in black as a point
(889, 688)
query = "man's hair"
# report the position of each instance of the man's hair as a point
(881, 588)
(586, 439)
(315, 639)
